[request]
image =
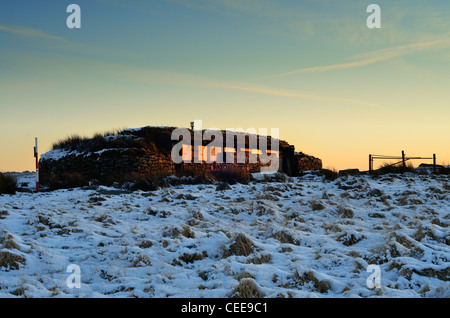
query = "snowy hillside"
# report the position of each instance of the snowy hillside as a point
(305, 237)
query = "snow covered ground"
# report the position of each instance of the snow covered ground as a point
(305, 237)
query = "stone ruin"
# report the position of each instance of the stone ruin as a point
(146, 153)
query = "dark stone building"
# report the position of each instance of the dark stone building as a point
(147, 152)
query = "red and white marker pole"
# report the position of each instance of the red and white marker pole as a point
(36, 155)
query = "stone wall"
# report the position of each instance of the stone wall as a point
(110, 165)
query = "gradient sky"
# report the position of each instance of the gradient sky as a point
(335, 88)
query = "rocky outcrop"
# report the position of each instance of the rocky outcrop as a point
(306, 163)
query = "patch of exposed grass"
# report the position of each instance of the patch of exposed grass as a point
(104, 218)
(190, 258)
(267, 196)
(141, 261)
(284, 237)
(345, 213)
(333, 228)
(241, 246)
(96, 200)
(244, 275)
(187, 232)
(3, 214)
(247, 288)
(10, 261)
(69, 143)
(443, 274)
(8, 184)
(322, 286)
(424, 232)
(329, 174)
(395, 168)
(402, 239)
(261, 259)
(376, 215)
(316, 205)
(7, 241)
(46, 220)
(97, 142)
(19, 292)
(350, 239)
(145, 244)
(443, 169)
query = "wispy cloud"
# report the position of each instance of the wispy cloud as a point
(187, 80)
(28, 32)
(55, 42)
(293, 94)
(371, 57)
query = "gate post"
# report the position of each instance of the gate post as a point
(434, 163)
(403, 159)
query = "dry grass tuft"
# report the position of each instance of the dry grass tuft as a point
(322, 286)
(397, 168)
(316, 206)
(258, 260)
(247, 288)
(345, 213)
(350, 239)
(423, 232)
(329, 174)
(8, 184)
(284, 237)
(242, 246)
(10, 261)
(244, 275)
(3, 214)
(145, 244)
(141, 261)
(190, 258)
(187, 232)
(8, 243)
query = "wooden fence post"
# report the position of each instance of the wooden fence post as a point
(434, 163)
(403, 159)
(370, 163)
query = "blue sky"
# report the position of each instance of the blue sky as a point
(335, 88)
